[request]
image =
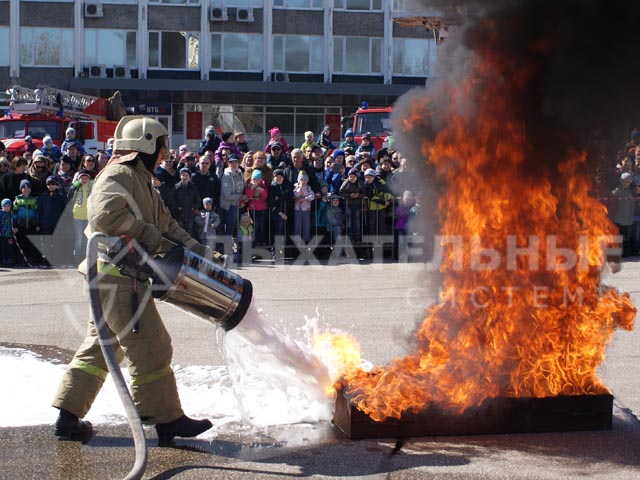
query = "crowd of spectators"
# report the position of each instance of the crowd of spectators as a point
(323, 196)
(623, 201)
(230, 195)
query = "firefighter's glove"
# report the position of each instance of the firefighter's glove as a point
(135, 265)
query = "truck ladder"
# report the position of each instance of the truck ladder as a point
(48, 99)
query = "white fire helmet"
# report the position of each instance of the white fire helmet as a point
(140, 134)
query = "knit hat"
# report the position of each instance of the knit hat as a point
(185, 170)
(353, 171)
(226, 136)
(256, 175)
(366, 135)
(207, 201)
(278, 171)
(626, 176)
(273, 131)
(337, 153)
(210, 130)
(69, 131)
(84, 171)
(348, 133)
(370, 172)
(308, 133)
(24, 183)
(303, 174)
(47, 139)
(28, 138)
(326, 128)
(52, 179)
(5, 201)
(324, 184)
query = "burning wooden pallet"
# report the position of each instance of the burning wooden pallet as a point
(495, 415)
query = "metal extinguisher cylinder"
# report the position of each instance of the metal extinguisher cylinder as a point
(202, 287)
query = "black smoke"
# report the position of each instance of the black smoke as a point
(586, 92)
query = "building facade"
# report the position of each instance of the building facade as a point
(241, 65)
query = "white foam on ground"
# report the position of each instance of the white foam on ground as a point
(269, 379)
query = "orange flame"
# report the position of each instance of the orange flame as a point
(530, 324)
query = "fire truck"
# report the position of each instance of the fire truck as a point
(50, 111)
(376, 121)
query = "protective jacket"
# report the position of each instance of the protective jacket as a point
(124, 202)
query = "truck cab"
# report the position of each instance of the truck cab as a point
(376, 121)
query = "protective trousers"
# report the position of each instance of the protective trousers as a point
(147, 353)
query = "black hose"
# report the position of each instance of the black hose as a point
(110, 358)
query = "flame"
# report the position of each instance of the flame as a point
(516, 324)
(340, 352)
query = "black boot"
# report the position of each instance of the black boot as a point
(181, 427)
(70, 427)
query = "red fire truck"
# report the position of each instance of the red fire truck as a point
(376, 121)
(50, 111)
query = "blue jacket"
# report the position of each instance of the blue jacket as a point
(6, 225)
(50, 208)
(78, 143)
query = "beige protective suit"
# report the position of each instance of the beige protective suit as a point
(124, 202)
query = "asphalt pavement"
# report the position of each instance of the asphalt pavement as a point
(45, 311)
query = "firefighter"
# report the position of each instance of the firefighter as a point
(124, 202)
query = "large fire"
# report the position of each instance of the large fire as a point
(522, 311)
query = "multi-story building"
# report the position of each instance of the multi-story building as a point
(236, 64)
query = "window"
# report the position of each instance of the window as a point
(12, 128)
(297, 53)
(46, 47)
(176, 2)
(42, 128)
(236, 51)
(239, 3)
(298, 3)
(413, 56)
(177, 50)
(357, 55)
(109, 47)
(362, 5)
(4, 40)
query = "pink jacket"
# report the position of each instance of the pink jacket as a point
(303, 197)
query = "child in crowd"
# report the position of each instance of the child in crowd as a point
(78, 196)
(302, 196)
(210, 223)
(366, 147)
(324, 139)
(70, 139)
(404, 212)
(26, 222)
(256, 192)
(276, 137)
(349, 143)
(7, 258)
(623, 211)
(322, 204)
(335, 219)
(50, 208)
(353, 191)
(245, 237)
(309, 142)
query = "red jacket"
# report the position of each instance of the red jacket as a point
(256, 201)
